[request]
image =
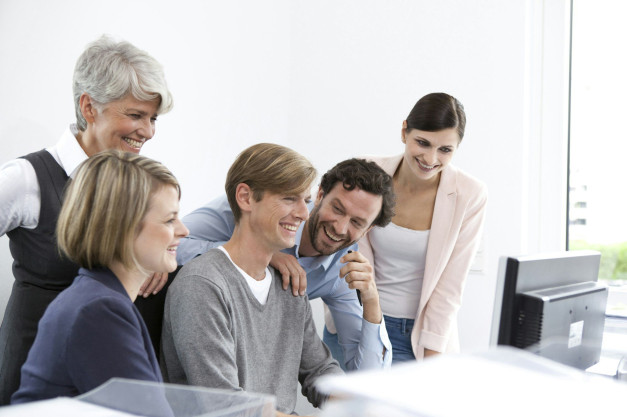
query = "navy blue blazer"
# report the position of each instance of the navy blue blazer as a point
(90, 333)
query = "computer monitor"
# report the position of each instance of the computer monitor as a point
(551, 305)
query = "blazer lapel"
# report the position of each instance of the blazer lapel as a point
(443, 212)
(389, 164)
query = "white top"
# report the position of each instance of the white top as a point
(20, 199)
(260, 288)
(400, 256)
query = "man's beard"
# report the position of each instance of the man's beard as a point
(315, 228)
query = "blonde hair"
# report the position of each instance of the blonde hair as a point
(268, 167)
(104, 207)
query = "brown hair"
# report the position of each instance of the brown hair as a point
(268, 167)
(437, 111)
(367, 176)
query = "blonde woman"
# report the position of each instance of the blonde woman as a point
(119, 90)
(119, 222)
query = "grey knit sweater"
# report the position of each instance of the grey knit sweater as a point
(217, 334)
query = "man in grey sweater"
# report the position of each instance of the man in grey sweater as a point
(227, 322)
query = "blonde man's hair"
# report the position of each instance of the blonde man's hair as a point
(268, 167)
(105, 205)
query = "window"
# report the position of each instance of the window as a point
(597, 210)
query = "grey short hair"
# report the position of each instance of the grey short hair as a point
(108, 70)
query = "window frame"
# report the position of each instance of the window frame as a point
(617, 293)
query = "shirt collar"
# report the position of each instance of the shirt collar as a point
(106, 277)
(69, 150)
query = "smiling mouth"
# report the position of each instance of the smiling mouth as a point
(426, 167)
(290, 227)
(137, 144)
(331, 236)
(172, 249)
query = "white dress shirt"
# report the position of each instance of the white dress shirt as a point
(20, 198)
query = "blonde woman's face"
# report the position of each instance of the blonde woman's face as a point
(155, 246)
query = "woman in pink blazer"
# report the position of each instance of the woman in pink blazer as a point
(422, 258)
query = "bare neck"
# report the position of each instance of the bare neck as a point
(85, 142)
(248, 253)
(130, 280)
(406, 179)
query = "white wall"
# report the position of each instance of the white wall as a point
(332, 79)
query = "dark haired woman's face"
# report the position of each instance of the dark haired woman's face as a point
(428, 153)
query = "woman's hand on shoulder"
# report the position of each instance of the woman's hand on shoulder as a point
(153, 284)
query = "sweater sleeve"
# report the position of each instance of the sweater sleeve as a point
(198, 317)
(105, 342)
(316, 360)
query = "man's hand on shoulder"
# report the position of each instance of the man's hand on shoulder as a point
(291, 272)
(359, 275)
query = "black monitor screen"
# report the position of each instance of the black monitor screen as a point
(551, 305)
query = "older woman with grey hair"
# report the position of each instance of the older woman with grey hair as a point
(119, 90)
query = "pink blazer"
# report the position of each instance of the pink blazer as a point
(455, 234)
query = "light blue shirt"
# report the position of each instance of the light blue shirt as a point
(362, 342)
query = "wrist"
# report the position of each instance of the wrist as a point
(372, 311)
(430, 352)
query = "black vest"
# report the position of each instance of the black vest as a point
(36, 258)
